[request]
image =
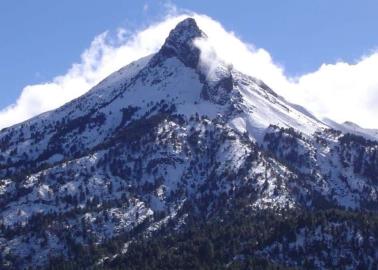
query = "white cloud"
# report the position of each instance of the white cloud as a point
(339, 91)
(104, 56)
(146, 7)
(342, 91)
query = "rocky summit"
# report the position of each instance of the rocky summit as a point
(169, 164)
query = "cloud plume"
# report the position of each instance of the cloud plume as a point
(340, 91)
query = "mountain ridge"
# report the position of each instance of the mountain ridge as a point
(162, 141)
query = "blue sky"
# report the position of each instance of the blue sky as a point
(41, 39)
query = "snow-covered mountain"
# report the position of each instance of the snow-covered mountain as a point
(166, 138)
(350, 127)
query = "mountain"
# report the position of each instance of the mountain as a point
(170, 154)
(350, 127)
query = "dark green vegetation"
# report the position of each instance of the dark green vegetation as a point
(245, 239)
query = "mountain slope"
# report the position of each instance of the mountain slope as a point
(163, 140)
(350, 127)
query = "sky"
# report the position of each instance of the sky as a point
(321, 54)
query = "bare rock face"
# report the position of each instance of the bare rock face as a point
(180, 44)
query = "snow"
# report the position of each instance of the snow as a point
(262, 109)
(239, 124)
(250, 108)
(349, 127)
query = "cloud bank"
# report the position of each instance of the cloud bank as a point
(340, 91)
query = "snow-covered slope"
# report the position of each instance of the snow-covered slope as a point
(158, 135)
(350, 127)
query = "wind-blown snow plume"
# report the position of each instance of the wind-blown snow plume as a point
(103, 57)
(341, 91)
(331, 91)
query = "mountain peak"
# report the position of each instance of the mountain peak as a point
(179, 44)
(184, 32)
